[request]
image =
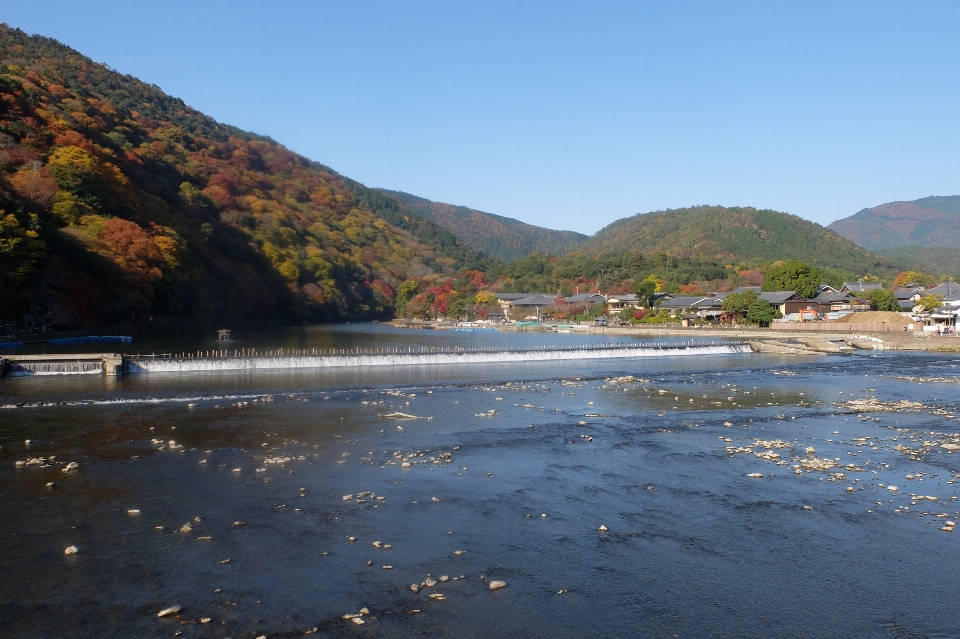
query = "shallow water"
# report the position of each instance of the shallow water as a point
(693, 547)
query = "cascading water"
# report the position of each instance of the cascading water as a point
(27, 369)
(136, 364)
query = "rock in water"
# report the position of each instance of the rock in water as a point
(172, 610)
(186, 528)
(497, 585)
(602, 528)
(71, 550)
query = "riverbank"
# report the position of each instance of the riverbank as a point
(871, 340)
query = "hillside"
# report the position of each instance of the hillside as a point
(499, 237)
(930, 221)
(938, 260)
(119, 203)
(738, 234)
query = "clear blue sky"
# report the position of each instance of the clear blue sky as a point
(566, 114)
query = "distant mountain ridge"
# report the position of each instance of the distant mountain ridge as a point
(929, 221)
(735, 234)
(500, 237)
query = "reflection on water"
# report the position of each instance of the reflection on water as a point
(503, 472)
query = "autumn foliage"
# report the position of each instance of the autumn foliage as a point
(120, 202)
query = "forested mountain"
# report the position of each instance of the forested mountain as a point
(500, 237)
(940, 261)
(930, 221)
(119, 202)
(737, 234)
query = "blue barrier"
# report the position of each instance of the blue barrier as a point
(92, 339)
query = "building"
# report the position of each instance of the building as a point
(530, 305)
(586, 298)
(834, 302)
(860, 287)
(949, 291)
(617, 303)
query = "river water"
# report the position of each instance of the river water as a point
(511, 470)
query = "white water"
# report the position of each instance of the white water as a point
(182, 365)
(29, 369)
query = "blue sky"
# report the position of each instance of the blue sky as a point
(566, 114)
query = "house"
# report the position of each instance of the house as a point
(619, 302)
(783, 301)
(949, 291)
(710, 306)
(586, 298)
(860, 287)
(681, 303)
(908, 296)
(529, 305)
(833, 302)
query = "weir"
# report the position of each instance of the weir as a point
(431, 356)
(61, 364)
(241, 360)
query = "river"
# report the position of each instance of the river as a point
(614, 497)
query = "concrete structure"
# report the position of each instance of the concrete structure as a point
(61, 364)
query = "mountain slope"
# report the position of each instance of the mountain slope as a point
(500, 237)
(120, 202)
(930, 221)
(936, 260)
(736, 234)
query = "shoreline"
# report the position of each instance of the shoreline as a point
(808, 341)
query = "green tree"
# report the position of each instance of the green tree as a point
(881, 300)
(762, 312)
(739, 303)
(405, 293)
(645, 290)
(930, 302)
(795, 276)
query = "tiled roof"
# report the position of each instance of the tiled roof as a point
(777, 297)
(683, 301)
(586, 297)
(535, 300)
(857, 287)
(949, 290)
(515, 296)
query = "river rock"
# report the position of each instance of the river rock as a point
(497, 584)
(172, 610)
(602, 528)
(71, 550)
(755, 475)
(71, 466)
(187, 528)
(429, 582)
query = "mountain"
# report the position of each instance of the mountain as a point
(930, 221)
(736, 234)
(119, 203)
(937, 260)
(499, 237)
